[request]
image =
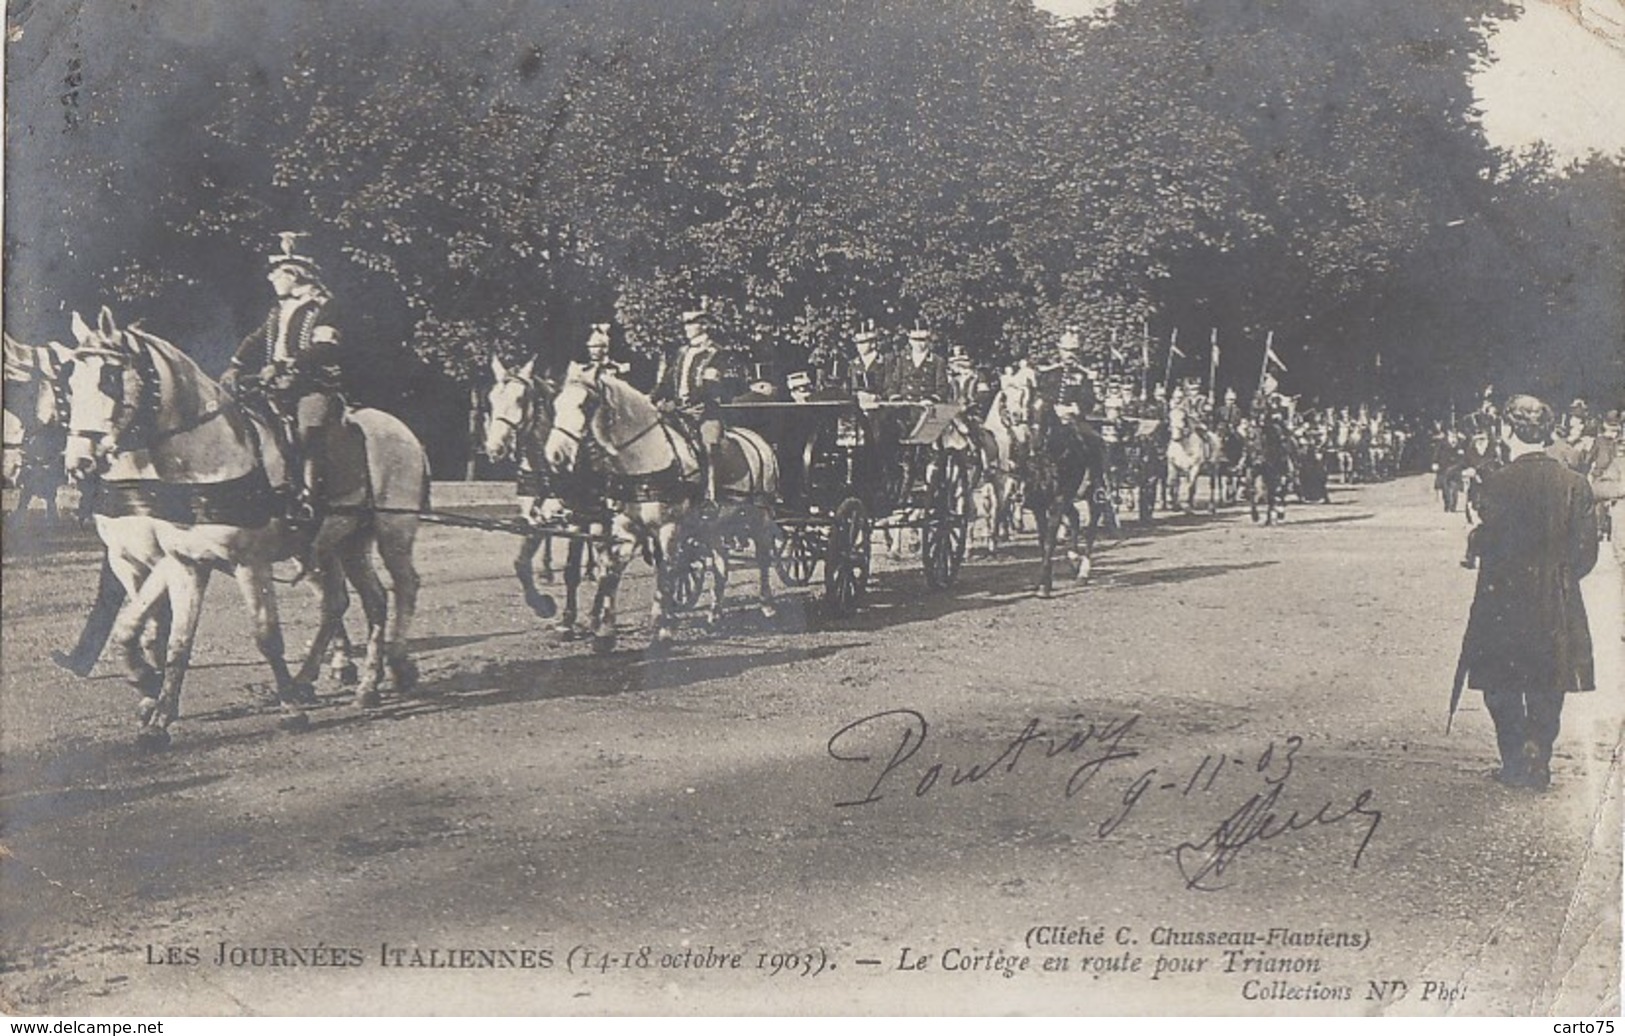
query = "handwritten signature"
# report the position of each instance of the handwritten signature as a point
(1097, 744)
(885, 745)
(1258, 820)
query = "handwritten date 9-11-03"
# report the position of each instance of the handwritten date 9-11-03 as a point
(883, 748)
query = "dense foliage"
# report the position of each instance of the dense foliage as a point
(487, 179)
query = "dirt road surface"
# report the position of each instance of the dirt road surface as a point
(1214, 779)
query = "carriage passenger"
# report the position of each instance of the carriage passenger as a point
(867, 374)
(919, 375)
(294, 353)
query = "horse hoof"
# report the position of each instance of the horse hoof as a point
(146, 708)
(602, 645)
(369, 699)
(1045, 593)
(294, 723)
(152, 739)
(405, 673)
(568, 632)
(542, 604)
(1085, 566)
(349, 675)
(301, 693)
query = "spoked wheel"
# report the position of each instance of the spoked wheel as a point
(685, 574)
(947, 522)
(846, 561)
(795, 553)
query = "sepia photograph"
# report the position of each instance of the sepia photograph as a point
(813, 508)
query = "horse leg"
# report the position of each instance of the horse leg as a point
(763, 527)
(397, 543)
(255, 584)
(144, 594)
(185, 585)
(546, 545)
(333, 600)
(619, 555)
(355, 560)
(1213, 490)
(1048, 521)
(572, 586)
(340, 664)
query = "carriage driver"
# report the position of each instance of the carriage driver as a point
(694, 385)
(293, 353)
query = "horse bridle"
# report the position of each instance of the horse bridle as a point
(148, 403)
(597, 395)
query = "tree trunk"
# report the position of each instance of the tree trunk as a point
(473, 433)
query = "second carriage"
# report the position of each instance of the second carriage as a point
(847, 472)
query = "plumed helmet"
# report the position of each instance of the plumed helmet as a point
(286, 256)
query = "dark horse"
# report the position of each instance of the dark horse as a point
(1269, 463)
(1063, 464)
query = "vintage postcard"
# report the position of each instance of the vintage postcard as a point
(820, 507)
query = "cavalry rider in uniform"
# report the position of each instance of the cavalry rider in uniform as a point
(598, 342)
(695, 386)
(1068, 385)
(294, 353)
(1230, 413)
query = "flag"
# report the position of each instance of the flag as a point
(1270, 357)
(1173, 346)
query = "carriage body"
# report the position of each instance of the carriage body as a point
(846, 470)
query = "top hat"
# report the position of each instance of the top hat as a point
(866, 333)
(599, 335)
(919, 333)
(696, 316)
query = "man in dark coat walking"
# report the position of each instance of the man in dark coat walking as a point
(1528, 642)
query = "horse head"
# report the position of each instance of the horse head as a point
(104, 395)
(511, 408)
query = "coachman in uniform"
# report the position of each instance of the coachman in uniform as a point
(695, 385)
(1528, 642)
(294, 354)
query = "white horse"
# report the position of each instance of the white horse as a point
(519, 418)
(189, 482)
(1192, 452)
(654, 468)
(1009, 423)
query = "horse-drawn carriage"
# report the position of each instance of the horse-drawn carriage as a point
(845, 472)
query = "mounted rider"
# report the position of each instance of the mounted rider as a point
(294, 353)
(695, 386)
(598, 351)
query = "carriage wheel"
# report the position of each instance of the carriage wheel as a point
(846, 558)
(685, 573)
(947, 524)
(795, 554)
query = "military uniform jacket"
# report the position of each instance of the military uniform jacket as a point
(868, 377)
(312, 363)
(1528, 629)
(695, 381)
(1069, 384)
(925, 380)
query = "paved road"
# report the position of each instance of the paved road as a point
(1050, 781)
